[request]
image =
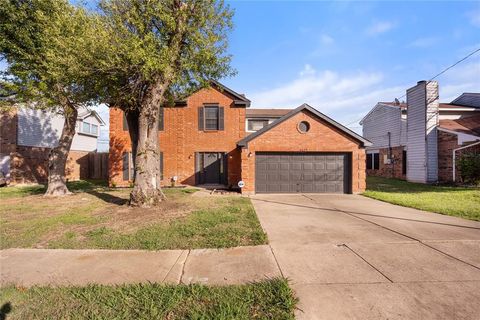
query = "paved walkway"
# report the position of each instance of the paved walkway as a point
(350, 257)
(78, 267)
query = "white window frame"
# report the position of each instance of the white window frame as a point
(257, 119)
(90, 125)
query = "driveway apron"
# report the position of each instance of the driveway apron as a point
(350, 257)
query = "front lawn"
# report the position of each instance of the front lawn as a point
(97, 217)
(270, 299)
(453, 201)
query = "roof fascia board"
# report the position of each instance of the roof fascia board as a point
(240, 100)
(244, 142)
(458, 133)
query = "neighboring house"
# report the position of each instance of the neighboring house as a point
(213, 138)
(27, 136)
(416, 140)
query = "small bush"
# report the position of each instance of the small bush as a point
(469, 165)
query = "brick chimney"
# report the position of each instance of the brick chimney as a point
(422, 122)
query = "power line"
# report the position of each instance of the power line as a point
(450, 67)
(434, 77)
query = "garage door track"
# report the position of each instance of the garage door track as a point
(350, 257)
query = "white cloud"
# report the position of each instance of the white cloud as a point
(424, 42)
(462, 78)
(348, 97)
(474, 17)
(380, 27)
(345, 97)
(325, 39)
(307, 70)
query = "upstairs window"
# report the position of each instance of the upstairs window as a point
(89, 128)
(210, 118)
(256, 124)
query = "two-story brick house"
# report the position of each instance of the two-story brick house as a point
(211, 138)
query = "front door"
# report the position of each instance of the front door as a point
(210, 168)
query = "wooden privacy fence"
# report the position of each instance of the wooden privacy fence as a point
(98, 165)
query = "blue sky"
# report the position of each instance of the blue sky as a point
(342, 57)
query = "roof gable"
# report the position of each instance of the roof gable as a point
(244, 141)
(239, 99)
(378, 106)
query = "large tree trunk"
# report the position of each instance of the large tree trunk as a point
(146, 191)
(57, 158)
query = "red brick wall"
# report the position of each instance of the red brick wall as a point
(181, 138)
(30, 165)
(321, 137)
(447, 142)
(392, 170)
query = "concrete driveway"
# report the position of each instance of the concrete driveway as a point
(350, 257)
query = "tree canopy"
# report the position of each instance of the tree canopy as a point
(50, 47)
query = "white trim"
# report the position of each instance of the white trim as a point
(454, 153)
(92, 113)
(270, 120)
(458, 109)
(461, 137)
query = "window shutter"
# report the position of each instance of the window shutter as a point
(200, 119)
(125, 123)
(160, 119)
(125, 157)
(221, 125)
(132, 166)
(161, 165)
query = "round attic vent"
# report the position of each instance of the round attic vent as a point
(303, 126)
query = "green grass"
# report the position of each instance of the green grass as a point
(28, 190)
(97, 217)
(269, 299)
(454, 201)
(234, 223)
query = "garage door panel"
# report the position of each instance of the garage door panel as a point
(301, 172)
(261, 177)
(261, 166)
(308, 177)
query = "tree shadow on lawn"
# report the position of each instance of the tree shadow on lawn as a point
(108, 197)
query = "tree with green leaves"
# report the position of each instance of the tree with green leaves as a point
(159, 50)
(49, 47)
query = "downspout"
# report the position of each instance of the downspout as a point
(453, 156)
(392, 168)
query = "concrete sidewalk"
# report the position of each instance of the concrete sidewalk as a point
(27, 267)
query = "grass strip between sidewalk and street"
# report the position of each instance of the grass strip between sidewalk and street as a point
(268, 299)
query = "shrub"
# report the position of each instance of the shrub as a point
(469, 165)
